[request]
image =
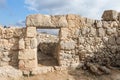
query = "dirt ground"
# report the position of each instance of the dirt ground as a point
(71, 75)
(75, 75)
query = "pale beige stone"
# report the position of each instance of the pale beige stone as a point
(33, 43)
(21, 64)
(38, 20)
(112, 41)
(101, 32)
(8, 33)
(99, 24)
(71, 17)
(21, 44)
(68, 45)
(31, 64)
(62, 22)
(31, 32)
(18, 32)
(27, 54)
(27, 43)
(71, 23)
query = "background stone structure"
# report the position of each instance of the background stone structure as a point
(80, 39)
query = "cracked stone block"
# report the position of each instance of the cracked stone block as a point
(110, 15)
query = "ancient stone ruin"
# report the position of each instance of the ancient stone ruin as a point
(79, 40)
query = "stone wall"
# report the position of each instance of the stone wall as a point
(80, 37)
(91, 40)
(9, 38)
(80, 40)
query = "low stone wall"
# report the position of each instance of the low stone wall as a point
(9, 38)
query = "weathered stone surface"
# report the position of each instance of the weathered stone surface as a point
(33, 43)
(112, 41)
(85, 30)
(27, 43)
(21, 64)
(39, 20)
(105, 24)
(8, 71)
(27, 54)
(111, 31)
(31, 64)
(101, 32)
(99, 24)
(110, 15)
(118, 40)
(8, 33)
(21, 44)
(93, 31)
(68, 45)
(62, 22)
(6, 59)
(71, 17)
(31, 32)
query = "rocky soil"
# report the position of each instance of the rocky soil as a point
(74, 74)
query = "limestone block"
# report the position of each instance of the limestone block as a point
(33, 43)
(81, 47)
(62, 22)
(68, 45)
(118, 40)
(58, 21)
(19, 32)
(71, 23)
(99, 24)
(30, 64)
(110, 15)
(38, 20)
(111, 31)
(21, 44)
(27, 54)
(81, 40)
(27, 43)
(21, 64)
(8, 33)
(114, 24)
(64, 33)
(85, 30)
(101, 32)
(105, 24)
(90, 22)
(13, 40)
(71, 17)
(112, 41)
(93, 31)
(31, 32)
(5, 53)
(6, 59)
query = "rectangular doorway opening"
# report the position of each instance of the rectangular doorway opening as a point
(48, 47)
